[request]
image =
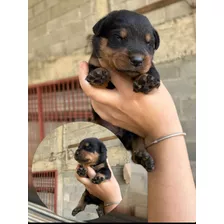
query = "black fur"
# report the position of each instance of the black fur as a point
(92, 145)
(136, 26)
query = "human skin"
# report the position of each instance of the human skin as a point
(171, 189)
(108, 191)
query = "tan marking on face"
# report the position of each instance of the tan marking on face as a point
(91, 156)
(119, 60)
(87, 144)
(147, 37)
(94, 61)
(106, 54)
(123, 33)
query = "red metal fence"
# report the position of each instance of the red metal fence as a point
(50, 105)
(45, 183)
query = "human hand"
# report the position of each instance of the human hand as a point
(108, 191)
(148, 115)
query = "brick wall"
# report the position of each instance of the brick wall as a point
(58, 31)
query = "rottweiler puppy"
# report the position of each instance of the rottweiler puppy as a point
(92, 152)
(125, 41)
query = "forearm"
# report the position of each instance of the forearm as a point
(171, 189)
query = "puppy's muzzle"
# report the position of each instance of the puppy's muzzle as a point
(136, 60)
(80, 157)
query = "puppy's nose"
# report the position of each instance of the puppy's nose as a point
(136, 60)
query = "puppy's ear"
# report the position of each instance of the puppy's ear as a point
(102, 153)
(98, 26)
(103, 148)
(157, 39)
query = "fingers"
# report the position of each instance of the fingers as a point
(90, 172)
(122, 82)
(98, 94)
(112, 174)
(86, 180)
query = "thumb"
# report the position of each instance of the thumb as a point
(90, 172)
(84, 180)
(87, 180)
(98, 94)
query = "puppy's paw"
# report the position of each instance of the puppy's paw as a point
(76, 210)
(81, 171)
(100, 211)
(99, 77)
(99, 178)
(145, 159)
(145, 83)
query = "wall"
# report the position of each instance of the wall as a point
(58, 31)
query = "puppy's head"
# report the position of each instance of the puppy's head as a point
(125, 41)
(91, 151)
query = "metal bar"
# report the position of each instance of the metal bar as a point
(69, 103)
(55, 105)
(48, 102)
(52, 82)
(55, 190)
(51, 103)
(155, 5)
(74, 98)
(64, 104)
(40, 113)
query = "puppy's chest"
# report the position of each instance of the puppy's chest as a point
(98, 167)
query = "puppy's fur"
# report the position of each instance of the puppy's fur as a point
(125, 41)
(92, 152)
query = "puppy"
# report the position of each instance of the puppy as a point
(92, 152)
(125, 41)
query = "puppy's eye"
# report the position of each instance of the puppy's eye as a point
(118, 37)
(149, 44)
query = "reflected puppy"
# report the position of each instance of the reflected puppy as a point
(92, 152)
(125, 41)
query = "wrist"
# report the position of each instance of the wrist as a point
(172, 149)
(109, 206)
(163, 129)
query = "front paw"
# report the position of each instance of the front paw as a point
(99, 178)
(145, 159)
(98, 77)
(76, 210)
(145, 83)
(81, 171)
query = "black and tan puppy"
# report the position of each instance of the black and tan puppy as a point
(92, 152)
(125, 41)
